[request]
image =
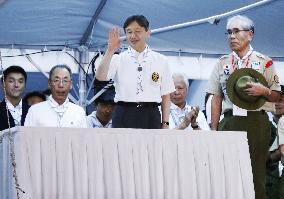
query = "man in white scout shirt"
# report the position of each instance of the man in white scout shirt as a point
(240, 32)
(142, 78)
(182, 115)
(57, 111)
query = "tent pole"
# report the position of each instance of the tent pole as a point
(212, 20)
(84, 61)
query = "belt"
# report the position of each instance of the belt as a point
(230, 112)
(138, 104)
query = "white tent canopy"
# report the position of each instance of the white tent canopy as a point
(57, 24)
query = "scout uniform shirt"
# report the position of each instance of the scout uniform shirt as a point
(229, 63)
(140, 77)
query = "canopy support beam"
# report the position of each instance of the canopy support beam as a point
(93, 21)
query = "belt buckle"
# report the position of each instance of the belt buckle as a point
(139, 105)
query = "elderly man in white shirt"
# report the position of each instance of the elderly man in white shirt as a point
(182, 115)
(57, 111)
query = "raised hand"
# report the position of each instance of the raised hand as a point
(114, 42)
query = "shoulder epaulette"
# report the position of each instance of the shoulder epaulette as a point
(224, 56)
(262, 56)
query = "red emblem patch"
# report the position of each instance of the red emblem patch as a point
(268, 64)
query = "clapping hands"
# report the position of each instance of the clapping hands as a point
(190, 118)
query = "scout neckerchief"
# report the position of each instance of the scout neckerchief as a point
(237, 111)
(240, 61)
(58, 109)
(16, 112)
(139, 59)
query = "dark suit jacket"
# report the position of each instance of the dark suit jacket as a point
(4, 119)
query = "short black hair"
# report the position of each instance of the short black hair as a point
(34, 93)
(63, 66)
(14, 69)
(140, 19)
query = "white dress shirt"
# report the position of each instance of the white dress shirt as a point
(177, 116)
(16, 112)
(50, 114)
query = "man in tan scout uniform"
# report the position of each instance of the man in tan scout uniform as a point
(240, 31)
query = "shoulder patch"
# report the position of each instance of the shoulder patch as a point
(268, 64)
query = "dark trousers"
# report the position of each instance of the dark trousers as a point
(257, 126)
(281, 185)
(273, 182)
(135, 116)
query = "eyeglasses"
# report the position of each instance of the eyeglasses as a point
(59, 81)
(235, 31)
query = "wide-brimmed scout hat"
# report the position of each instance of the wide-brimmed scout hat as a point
(236, 85)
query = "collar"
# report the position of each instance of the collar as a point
(176, 108)
(12, 107)
(136, 54)
(54, 104)
(246, 55)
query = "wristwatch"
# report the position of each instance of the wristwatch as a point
(166, 123)
(196, 126)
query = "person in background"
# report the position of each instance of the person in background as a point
(105, 105)
(142, 78)
(207, 109)
(34, 97)
(13, 83)
(273, 160)
(240, 32)
(182, 115)
(57, 111)
(280, 129)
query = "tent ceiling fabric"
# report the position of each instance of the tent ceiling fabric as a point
(57, 23)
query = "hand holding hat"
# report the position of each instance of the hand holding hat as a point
(245, 88)
(256, 89)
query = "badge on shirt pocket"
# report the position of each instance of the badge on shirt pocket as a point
(155, 76)
(255, 65)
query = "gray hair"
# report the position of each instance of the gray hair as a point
(63, 66)
(181, 76)
(246, 22)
